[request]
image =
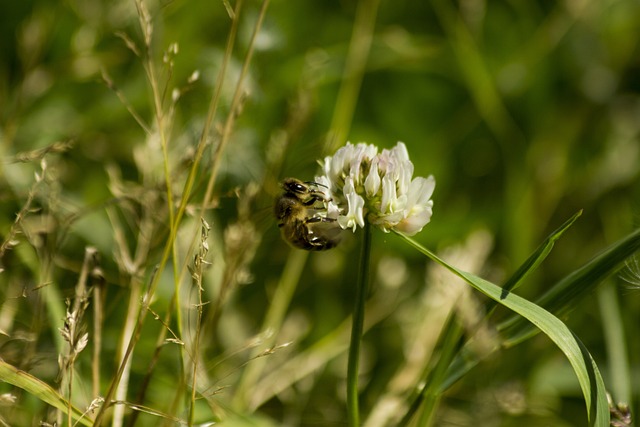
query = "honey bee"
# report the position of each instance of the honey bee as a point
(301, 213)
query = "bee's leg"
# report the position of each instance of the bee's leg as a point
(319, 219)
(313, 199)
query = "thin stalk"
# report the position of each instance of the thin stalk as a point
(120, 384)
(616, 344)
(98, 317)
(196, 358)
(355, 66)
(233, 108)
(428, 395)
(357, 326)
(160, 344)
(178, 217)
(69, 404)
(199, 262)
(133, 335)
(273, 321)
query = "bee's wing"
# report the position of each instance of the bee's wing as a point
(326, 228)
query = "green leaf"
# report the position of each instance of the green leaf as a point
(41, 390)
(583, 364)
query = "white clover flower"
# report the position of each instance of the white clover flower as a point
(363, 184)
(355, 215)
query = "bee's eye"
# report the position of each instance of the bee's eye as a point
(298, 188)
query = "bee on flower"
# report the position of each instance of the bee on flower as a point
(360, 184)
(377, 187)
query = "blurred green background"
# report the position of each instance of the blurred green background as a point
(525, 113)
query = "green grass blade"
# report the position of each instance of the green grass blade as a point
(583, 364)
(43, 391)
(428, 397)
(584, 280)
(540, 254)
(619, 370)
(516, 329)
(564, 294)
(466, 358)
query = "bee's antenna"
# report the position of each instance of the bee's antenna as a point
(316, 183)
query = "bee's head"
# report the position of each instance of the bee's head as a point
(294, 186)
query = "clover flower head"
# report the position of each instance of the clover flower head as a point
(363, 184)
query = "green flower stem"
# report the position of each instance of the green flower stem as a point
(356, 329)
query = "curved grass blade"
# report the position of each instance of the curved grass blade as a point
(43, 391)
(466, 359)
(583, 364)
(564, 294)
(540, 254)
(515, 329)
